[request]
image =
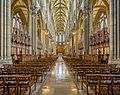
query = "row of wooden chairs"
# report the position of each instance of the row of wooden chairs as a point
(89, 73)
(24, 75)
(89, 59)
(103, 80)
(17, 82)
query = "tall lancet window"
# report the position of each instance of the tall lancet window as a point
(17, 22)
(60, 38)
(103, 21)
(63, 38)
(56, 38)
(20, 37)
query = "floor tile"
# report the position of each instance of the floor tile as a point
(59, 82)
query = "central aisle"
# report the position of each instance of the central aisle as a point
(59, 82)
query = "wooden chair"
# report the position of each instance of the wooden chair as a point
(10, 82)
(115, 83)
(25, 81)
(2, 86)
(105, 82)
(92, 80)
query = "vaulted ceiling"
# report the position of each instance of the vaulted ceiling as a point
(99, 5)
(21, 7)
(60, 11)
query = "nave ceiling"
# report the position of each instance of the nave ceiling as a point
(60, 12)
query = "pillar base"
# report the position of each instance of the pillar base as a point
(115, 63)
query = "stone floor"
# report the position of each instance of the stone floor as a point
(59, 82)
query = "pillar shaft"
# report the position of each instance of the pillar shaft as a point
(91, 25)
(75, 43)
(77, 52)
(115, 30)
(30, 29)
(86, 27)
(1, 31)
(4, 29)
(111, 28)
(118, 29)
(72, 43)
(8, 29)
(35, 34)
(32, 38)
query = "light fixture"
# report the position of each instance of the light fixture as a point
(74, 33)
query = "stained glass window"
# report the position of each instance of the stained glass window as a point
(17, 22)
(103, 21)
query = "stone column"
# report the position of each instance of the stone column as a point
(118, 29)
(35, 34)
(32, 37)
(77, 37)
(1, 31)
(91, 25)
(75, 43)
(72, 44)
(8, 30)
(115, 31)
(86, 27)
(111, 28)
(90, 31)
(40, 32)
(47, 42)
(48, 39)
(30, 28)
(4, 29)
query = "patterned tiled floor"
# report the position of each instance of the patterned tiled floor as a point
(59, 82)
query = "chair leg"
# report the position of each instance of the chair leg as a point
(108, 90)
(29, 90)
(95, 89)
(112, 90)
(15, 90)
(7, 90)
(35, 86)
(82, 82)
(42, 77)
(20, 90)
(77, 77)
(87, 90)
(99, 91)
(3, 90)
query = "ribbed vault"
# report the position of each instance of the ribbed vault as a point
(60, 14)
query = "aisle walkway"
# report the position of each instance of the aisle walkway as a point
(59, 82)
